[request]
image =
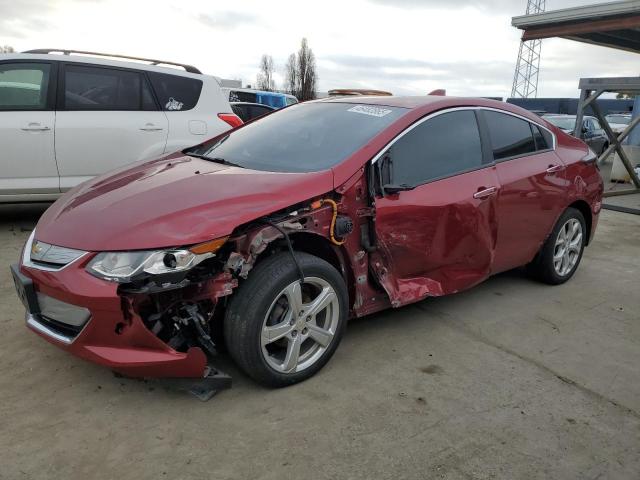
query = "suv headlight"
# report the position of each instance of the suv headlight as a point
(123, 266)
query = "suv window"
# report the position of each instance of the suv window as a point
(174, 92)
(248, 112)
(596, 124)
(510, 136)
(442, 146)
(240, 96)
(24, 86)
(97, 88)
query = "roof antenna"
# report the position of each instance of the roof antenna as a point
(441, 92)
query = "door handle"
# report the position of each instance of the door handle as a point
(484, 193)
(555, 168)
(150, 127)
(35, 127)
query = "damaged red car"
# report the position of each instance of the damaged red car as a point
(265, 240)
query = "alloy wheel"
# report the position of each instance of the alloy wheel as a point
(568, 247)
(300, 325)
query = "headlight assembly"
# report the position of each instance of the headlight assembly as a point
(124, 266)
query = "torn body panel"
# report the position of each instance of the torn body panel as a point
(437, 238)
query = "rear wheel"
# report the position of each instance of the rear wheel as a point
(561, 253)
(280, 330)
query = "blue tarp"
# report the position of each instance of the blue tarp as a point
(273, 99)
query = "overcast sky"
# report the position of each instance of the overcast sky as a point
(405, 46)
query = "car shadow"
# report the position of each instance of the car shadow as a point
(22, 216)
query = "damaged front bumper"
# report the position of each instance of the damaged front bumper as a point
(111, 334)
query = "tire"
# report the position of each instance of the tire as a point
(546, 266)
(262, 331)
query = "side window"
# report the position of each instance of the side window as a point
(97, 88)
(596, 124)
(548, 137)
(440, 147)
(24, 86)
(510, 136)
(257, 111)
(241, 111)
(240, 96)
(175, 92)
(541, 137)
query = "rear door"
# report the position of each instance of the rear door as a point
(27, 121)
(107, 117)
(533, 186)
(438, 236)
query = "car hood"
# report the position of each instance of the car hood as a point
(177, 200)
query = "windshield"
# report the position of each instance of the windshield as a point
(565, 123)
(306, 137)
(620, 119)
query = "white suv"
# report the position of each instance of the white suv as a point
(66, 118)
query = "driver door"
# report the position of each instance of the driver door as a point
(436, 223)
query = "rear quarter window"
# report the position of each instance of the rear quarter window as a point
(510, 136)
(176, 93)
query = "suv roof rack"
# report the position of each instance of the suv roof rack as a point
(188, 68)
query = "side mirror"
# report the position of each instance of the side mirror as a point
(383, 177)
(386, 165)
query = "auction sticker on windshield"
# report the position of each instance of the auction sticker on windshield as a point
(370, 110)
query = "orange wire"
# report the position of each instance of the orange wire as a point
(334, 205)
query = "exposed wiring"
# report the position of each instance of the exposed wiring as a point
(289, 246)
(332, 236)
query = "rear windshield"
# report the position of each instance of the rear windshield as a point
(621, 119)
(175, 92)
(565, 123)
(306, 137)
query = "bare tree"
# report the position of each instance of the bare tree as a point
(291, 75)
(306, 67)
(300, 73)
(6, 49)
(265, 77)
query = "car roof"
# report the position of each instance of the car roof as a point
(430, 103)
(254, 90)
(253, 104)
(567, 115)
(388, 100)
(94, 60)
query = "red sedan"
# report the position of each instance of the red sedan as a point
(268, 238)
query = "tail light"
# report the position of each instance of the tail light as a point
(231, 118)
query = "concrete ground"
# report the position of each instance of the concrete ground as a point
(511, 380)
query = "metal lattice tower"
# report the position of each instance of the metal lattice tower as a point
(525, 79)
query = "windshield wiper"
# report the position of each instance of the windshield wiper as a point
(213, 159)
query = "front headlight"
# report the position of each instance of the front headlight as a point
(123, 266)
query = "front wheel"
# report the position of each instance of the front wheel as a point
(281, 331)
(561, 253)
